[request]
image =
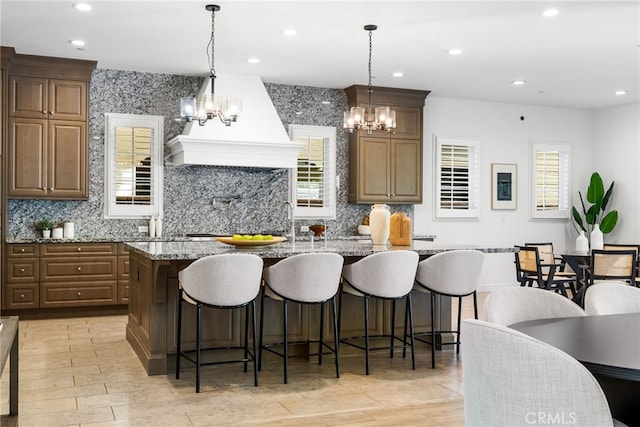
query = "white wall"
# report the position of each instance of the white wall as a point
(616, 136)
(504, 139)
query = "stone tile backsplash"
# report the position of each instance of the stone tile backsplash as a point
(197, 199)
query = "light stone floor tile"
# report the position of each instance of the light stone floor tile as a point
(82, 372)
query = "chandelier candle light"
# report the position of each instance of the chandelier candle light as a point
(211, 105)
(357, 118)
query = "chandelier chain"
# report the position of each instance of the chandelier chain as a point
(212, 44)
(370, 50)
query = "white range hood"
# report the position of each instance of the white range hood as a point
(257, 139)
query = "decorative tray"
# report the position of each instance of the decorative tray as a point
(250, 243)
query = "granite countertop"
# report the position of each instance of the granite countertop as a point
(182, 238)
(185, 250)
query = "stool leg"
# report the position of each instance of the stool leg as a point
(246, 336)
(261, 329)
(411, 331)
(286, 340)
(179, 334)
(433, 330)
(393, 327)
(255, 344)
(404, 334)
(336, 337)
(198, 325)
(366, 333)
(475, 304)
(458, 330)
(320, 340)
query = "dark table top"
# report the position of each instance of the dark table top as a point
(7, 335)
(606, 344)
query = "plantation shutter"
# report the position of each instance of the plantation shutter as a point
(132, 183)
(550, 181)
(457, 179)
(311, 182)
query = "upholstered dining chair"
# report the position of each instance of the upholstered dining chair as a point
(531, 268)
(511, 379)
(225, 281)
(387, 276)
(310, 278)
(516, 304)
(612, 298)
(453, 274)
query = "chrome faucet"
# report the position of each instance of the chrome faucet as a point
(290, 217)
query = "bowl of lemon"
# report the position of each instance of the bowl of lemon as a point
(251, 240)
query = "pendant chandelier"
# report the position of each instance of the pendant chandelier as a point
(211, 105)
(382, 118)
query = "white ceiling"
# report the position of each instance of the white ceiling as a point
(575, 59)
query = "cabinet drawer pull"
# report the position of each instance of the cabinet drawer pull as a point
(22, 250)
(21, 296)
(22, 270)
(79, 249)
(79, 268)
(79, 293)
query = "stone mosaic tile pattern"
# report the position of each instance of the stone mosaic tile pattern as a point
(247, 200)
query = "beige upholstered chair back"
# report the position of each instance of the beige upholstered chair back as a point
(612, 265)
(545, 251)
(452, 273)
(511, 305)
(313, 277)
(223, 280)
(511, 379)
(388, 274)
(612, 298)
(527, 259)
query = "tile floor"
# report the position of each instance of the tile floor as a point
(82, 372)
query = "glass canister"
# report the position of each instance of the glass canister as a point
(379, 224)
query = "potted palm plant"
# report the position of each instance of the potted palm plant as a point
(597, 221)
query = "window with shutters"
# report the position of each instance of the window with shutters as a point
(550, 180)
(456, 179)
(313, 186)
(133, 165)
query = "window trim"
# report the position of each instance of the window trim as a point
(111, 209)
(474, 178)
(329, 210)
(560, 213)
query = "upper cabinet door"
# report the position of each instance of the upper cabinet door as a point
(28, 97)
(67, 100)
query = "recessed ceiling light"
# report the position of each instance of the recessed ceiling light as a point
(77, 43)
(455, 51)
(326, 103)
(84, 7)
(398, 74)
(621, 92)
(550, 12)
(290, 32)
(518, 82)
(253, 60)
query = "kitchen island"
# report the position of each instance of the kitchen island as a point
(153, 291)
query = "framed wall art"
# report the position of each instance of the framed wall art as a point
(504, 185)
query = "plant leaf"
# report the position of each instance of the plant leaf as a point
(596, 189)
(609, 222)
(577, 218)
(590, 217)
(607, 195)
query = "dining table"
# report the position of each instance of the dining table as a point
(608, 346)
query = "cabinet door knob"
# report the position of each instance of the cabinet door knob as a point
(79, 268)
(22, 270)
(50, 188)
(51, 112)
(44, 111)
(21, 296)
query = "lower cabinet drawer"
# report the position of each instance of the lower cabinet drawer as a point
(66, 269)
(22, 296)
(22, 270)
(78, 294)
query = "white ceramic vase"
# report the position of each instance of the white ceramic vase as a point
(597, 239)
(379, 224)
(582, 243)
(46, 234)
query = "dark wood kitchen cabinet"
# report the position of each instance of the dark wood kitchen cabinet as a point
(48, 141)
(387, 167)
(22, 287)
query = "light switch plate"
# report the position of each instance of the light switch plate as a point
(143, 229)
(304, 228)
